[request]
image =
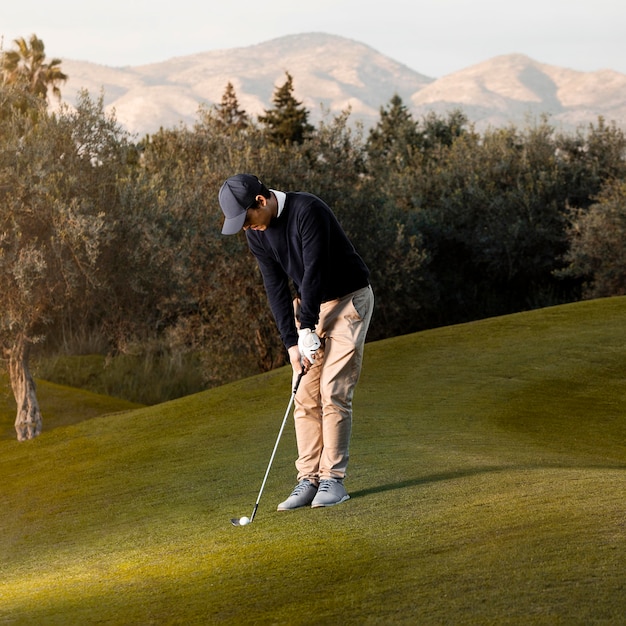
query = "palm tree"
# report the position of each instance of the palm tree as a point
(26, 66)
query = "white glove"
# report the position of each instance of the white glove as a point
(308, 343)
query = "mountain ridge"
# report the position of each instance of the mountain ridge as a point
(333, 73)
(511, 88)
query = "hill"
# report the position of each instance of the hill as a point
(516, 88)
(328, 70)
(331, 73)
(487, 483)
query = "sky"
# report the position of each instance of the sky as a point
(432, 37)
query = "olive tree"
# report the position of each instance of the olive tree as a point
(59, 179)
(597, 235)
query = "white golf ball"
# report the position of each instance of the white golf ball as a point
(244, 521)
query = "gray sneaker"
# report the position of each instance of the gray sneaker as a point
(302, 495)
(329, 493)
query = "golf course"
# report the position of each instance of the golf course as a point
(487, 481)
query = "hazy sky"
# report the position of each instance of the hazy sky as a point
(433, 37)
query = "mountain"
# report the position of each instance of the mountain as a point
(515, 88)
(332, 73)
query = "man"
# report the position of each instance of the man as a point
(295, 236)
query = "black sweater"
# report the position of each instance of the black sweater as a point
(307, 245)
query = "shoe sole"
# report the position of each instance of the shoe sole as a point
(291, 508)
(321, 505)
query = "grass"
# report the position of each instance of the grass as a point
(487, 480)
(146, 379)
(61, 406)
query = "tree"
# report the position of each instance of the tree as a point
(437, 131)
(400, 139)
(493, 218)
(218, 280)
(228, 114)
(26, 67)
(60, 180)
(287, 123)
(589, 158)
(393, 154)
(395, 137)
(597, 235)
(400, 149)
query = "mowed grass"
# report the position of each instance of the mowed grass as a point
(488, 483)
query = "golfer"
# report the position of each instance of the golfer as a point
(297, 240)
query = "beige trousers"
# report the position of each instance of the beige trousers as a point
(323, 403)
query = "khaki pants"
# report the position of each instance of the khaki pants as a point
(323, 403)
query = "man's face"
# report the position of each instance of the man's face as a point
(259, 218)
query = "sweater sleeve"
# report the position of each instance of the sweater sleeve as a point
(278, 291)
(314, 229)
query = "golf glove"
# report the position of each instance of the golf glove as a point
(308, 343)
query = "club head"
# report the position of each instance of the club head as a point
(235, 521)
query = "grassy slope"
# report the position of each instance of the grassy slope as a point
(487, 482)
(61, 406)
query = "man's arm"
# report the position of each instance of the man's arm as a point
(314, 230)
(278, 292)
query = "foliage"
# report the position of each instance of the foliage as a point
(598, 243)
(119, 240)
(287, 123)
(71, 245)
(67, 230)
(25, 83)
(202, 315)
(229, 116)
(147, 374)
(25, 67)
(493, 218)
(395, 137)
(492, 211)
(47, 247)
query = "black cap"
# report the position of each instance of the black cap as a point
(236, 196)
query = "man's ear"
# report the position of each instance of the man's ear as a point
(261, 200)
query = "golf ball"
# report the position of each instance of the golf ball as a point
(244, 521)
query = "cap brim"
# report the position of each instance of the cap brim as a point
(232, 225)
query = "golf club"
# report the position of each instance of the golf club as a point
(244, 521)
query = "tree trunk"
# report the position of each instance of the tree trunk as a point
(28, 422)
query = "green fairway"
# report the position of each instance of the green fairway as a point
(488, 484)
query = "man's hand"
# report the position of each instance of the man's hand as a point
(297, 362)
(308, 343)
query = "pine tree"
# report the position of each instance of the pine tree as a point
(287, 123)
(228, 113)
(396, 133)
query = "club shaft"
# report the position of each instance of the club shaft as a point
(280, 433)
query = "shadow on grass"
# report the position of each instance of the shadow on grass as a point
(54, 421)
(474, 471)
